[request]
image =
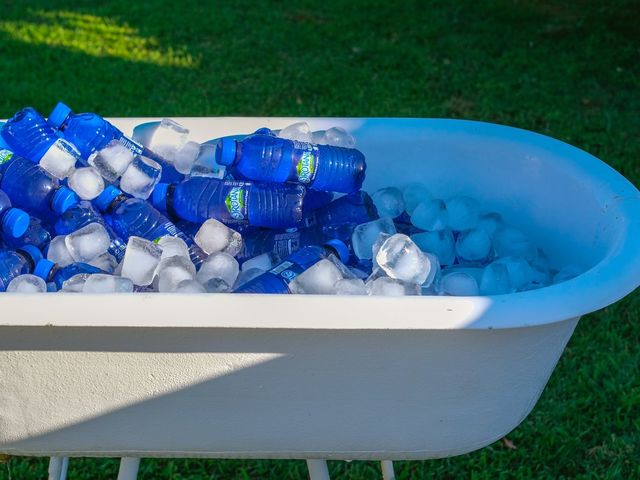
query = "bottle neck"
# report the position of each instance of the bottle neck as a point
(115, 203)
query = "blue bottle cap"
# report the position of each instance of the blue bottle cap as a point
(15, 222)
(33, 252)
(43, 269)
(340, 247)
(63, 200)
(58, 115)
(226, 151)
(107, 196)
(159, 196)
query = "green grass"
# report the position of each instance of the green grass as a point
(566, 69)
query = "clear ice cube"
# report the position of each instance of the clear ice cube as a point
(509, 241)
(350, 286)
(490, 222)
(389, 202)
(320, 278)
(440, 243)
(402, 259)
(414, 194)
(171, 271)
(297, 131)
(141, 177)
(219, 265)
(214, 236)
(463, 213)
(459, 284)
(168, 138)
(27, 284)
(86, 182)
(173, 247)
(473, 245)
(495, 280)
(58, 252)
(190, 286)
(337, 137)
(140, 261)
(88, 242)
(60, 159)
(102, 283)
(216, 285)
(185, 157)
(75, 284)
(365, 235)
(430, 215)
(105, 262)
(391, 287)
(112, 161)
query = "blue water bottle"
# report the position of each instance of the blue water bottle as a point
(53, 273)
(13, 221)
(17, 262)
(29, 135)
(31, 188)
(90, 132)
(234, 203)
(272, 159)
(277, 279)
(135, 217)
(82, 215)
(37, 235)
(355, 208)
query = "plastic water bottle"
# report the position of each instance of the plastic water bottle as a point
(354, 208)
(33, 189)
(83, 214)
(29, 135)
(273, 159)
(234, 203)
(17, 262)
(89, 132)
(135, 217)
(53, 273)
(13, 221)
(277, 279)
(37, 235)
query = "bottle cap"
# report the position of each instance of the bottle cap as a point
(159, 196)
(58, 115)
(43, 269)
(15, 222)
(226, 151)
(341, 248)
(63, 200)
(33, 252)
(107, 196)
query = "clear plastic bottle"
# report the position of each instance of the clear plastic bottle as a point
(13, 221)
(17, 262)
(354, 208)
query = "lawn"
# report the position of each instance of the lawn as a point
(570, 70)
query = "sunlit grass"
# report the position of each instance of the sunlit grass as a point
(94, 35)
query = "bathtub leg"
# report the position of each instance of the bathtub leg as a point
(318, 470)
(387, 470)
(128, 468)
(58, 468)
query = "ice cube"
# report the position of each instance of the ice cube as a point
(141, 177)
(246, 275)
(215, 236)
(102, 283)
(365, 235)
(216, 285)
(173, 247)
(391, 287)
(567, 273)
(458, 283)
(389, 202)
(60, 159)
(414, 194)
(27, 284)
(265, 261)
(520, 272)
(86, 182)
(509, 241)
(297, 131)
(171, 271)
(219, 265)
(376, 247)
(190, 286)
(430, 215)
(463, 213)
(168, 138)
(140, 261)
(350, 286)
(434, 272)
(75, 284)
(320, 278)
(206, 165)
(112, 161)
(490, 222)
(473, 245)
(58, 252)
(402, 259)
(88, 242)
(185, 157)
(337, 137)
(105, 262)
(440, 243)
(495, 280)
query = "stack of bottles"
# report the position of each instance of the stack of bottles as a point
(86, 208)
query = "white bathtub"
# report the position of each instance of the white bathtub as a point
(329, 377)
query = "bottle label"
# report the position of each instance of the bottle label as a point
(286, 243)
(131, 145)
(307, 166)
(287, 270)
(237, 202)
(166, 229)
(5, 155)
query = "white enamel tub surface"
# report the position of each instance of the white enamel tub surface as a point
(330, 377)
